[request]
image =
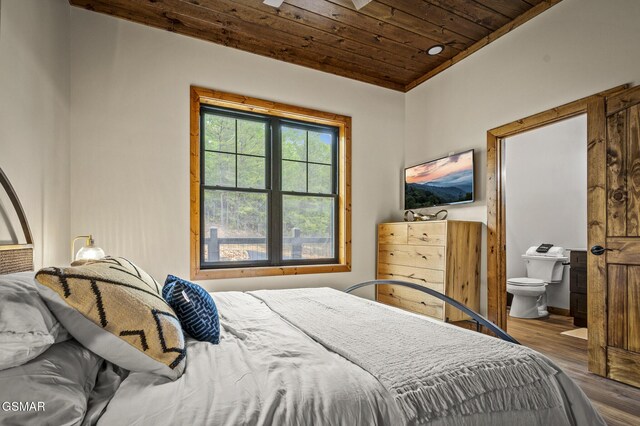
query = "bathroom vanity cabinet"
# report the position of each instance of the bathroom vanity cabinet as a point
(578, 287)
(443, 255)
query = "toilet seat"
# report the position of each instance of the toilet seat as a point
(526, 282)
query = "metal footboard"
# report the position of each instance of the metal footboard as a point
(476, 316)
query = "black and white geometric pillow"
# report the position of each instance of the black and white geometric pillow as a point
(115, 309)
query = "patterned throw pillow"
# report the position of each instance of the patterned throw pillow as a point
(116, 310)
(195, 308)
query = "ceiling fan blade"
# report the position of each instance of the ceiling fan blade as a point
(274, 3)
(359, 4)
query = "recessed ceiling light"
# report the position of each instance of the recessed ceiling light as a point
(435, 50)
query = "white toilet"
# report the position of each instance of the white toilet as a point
(529, 293)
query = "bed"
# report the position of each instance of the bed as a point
(275, 365)
(319, 356)
(314, 356)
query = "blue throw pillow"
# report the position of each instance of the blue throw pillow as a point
(194, 307)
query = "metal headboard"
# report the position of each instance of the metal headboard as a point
(16, 257)
(476, 316)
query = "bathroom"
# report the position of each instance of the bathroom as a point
(546, 203)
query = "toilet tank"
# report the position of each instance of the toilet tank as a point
(548, 269)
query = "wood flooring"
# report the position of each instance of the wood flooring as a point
(618, 403)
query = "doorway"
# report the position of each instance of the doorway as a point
(612, 118)
(496, 200)
(545, 174)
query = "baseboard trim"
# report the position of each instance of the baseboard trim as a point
(559, 311)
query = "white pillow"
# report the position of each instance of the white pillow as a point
(27, 326)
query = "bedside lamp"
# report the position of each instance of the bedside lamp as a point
(88, 251)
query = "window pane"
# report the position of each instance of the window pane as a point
(219, 133)
(251, 137)
(294, 144)
(320, 179)
(308, 228)
(251, 172)
(235, 226)
(219, 169)
(320, 145)
(294, 176)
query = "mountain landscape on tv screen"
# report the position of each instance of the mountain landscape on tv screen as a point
(454, 187)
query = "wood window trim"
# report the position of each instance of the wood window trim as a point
(496, 203)
(200, 96)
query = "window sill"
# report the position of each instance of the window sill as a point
(210, 274)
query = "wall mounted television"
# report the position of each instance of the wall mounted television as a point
(444, 181)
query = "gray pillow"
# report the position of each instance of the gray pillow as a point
(51, 389)
(27, 327)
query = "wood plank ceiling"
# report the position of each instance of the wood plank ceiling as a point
(384, 43)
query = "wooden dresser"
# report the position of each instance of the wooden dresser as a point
(443, 255)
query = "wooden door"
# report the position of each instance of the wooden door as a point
(614, 236)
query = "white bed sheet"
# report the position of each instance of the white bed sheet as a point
(267, 372)
(264, 371)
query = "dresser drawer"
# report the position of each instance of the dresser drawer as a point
(392, 233)
(432, 234)
(411, 294)
(578, 309)
(578, 259)
(432, 257)
(578, 280)
(412, 300)
(425, 277)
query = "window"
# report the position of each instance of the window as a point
(269, 188)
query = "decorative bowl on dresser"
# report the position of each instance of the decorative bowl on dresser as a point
(443, 255)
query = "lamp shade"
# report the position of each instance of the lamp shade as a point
(88, 252)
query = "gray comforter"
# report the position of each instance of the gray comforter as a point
(307, 357)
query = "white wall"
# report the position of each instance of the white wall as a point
(546, 193)
(574, 49)
(129, 119)
(34, 118)
(130, 141)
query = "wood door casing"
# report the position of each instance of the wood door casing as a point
(596, 234)
(614, 223)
